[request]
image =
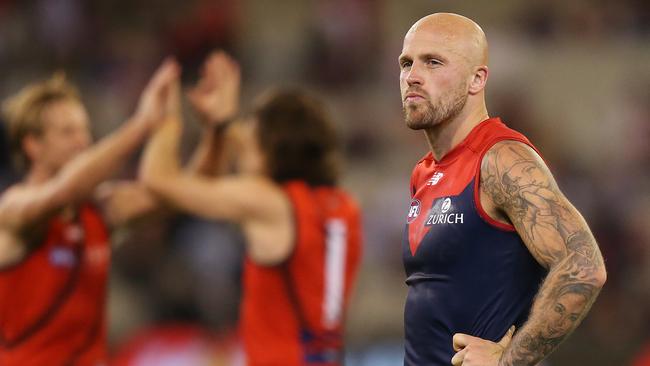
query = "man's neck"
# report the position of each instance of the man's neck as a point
(444, 136)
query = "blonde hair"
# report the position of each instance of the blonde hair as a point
(23, 110)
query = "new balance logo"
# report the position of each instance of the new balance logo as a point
(435, 179)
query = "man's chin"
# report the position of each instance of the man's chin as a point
(417, 116)
(415, 125)
(418, 121)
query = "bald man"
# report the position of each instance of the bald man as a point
(491, 244)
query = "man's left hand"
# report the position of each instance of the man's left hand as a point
(474, 351)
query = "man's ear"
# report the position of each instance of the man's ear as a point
(32, 145)
(479, 80)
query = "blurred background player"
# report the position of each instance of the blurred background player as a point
(54, 250)
(302, 232)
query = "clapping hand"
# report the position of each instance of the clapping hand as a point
(152, 106)
(216, 95)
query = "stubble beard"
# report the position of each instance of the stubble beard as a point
(419, 116)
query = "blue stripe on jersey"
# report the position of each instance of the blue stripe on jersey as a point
(465, 276)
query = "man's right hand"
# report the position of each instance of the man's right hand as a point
(152, 106)
(475, 351)
(216, 95)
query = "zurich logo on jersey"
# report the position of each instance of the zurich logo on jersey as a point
(440, 213)
(446, 205)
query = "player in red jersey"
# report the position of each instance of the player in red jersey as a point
(54, 251)
(492, 214)
(303, 232)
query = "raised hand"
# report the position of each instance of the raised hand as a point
(474, 351)
(152, 106)
(173, 99)
(216, 95)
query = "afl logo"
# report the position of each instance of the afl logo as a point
(446, 205)
(414, 210)
(62, 256)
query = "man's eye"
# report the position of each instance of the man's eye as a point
(433, 62)
(404, 64)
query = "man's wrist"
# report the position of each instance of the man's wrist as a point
(502, 359)
(218, 125)
(140, 123)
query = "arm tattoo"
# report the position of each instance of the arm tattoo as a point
(520, 185)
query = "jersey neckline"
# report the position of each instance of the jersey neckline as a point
(455, 152)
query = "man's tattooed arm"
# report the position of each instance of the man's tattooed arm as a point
(521, 187)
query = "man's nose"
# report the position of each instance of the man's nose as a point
(414, 76)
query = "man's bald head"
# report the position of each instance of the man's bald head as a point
(464, 37)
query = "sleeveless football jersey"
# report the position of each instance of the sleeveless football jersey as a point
(466, 273)
(52, 303)
(293, 314)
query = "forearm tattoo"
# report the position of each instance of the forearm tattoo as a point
(520, 185)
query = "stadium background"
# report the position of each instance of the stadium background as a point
(573, 76)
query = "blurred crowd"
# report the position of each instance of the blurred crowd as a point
(572, 76)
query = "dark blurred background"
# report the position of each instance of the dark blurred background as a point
(573, 76)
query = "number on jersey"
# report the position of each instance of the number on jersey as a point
(335, 258)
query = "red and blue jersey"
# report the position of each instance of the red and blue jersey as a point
(466, 272)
